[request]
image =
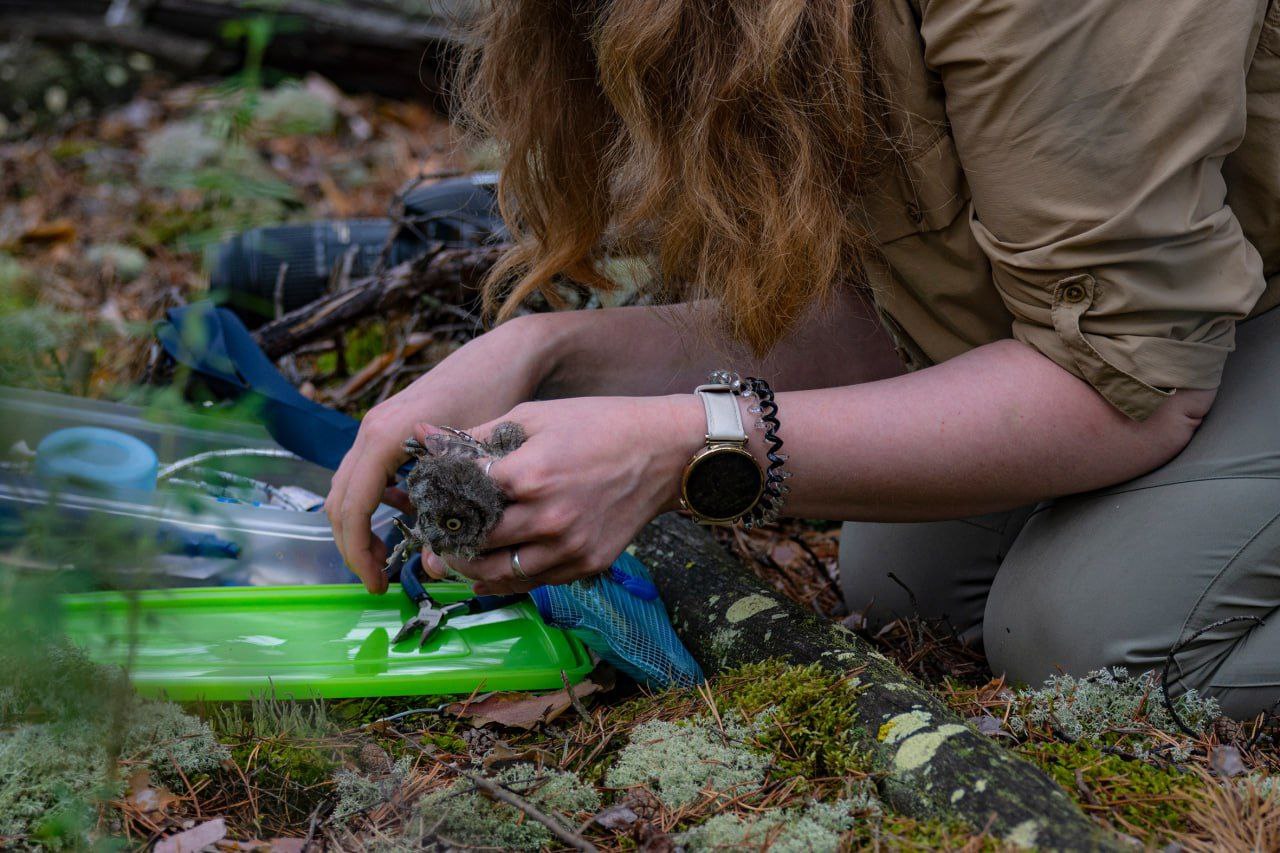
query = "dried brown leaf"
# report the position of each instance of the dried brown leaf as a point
(194, 839)
(520, 710)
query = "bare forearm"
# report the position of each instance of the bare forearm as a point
(999, 427)
(658, 350)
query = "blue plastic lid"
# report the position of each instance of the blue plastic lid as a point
(105, 459)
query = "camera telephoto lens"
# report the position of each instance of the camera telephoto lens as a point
(302, 259)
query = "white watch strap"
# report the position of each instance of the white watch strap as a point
(724, 419)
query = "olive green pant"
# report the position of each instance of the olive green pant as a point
(1184, 560)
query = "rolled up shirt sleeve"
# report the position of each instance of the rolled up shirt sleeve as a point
(1092, 135)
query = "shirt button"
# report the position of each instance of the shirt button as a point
(1073, 293)
(914, 213)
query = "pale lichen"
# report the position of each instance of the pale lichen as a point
(817, 827)
(464, 815)
(291, 109)
(903, 726)
(358, 792)
(745, 608)
(1024, 835)
(1091, 708)
(919, 749)
(723, 642)
(677, 761)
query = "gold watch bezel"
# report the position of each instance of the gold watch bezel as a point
(713, 448)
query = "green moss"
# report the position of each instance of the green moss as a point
(807, 717)
(895, 832)
(677, 761)
(465, 816)
(293, 746)
(1134, 793)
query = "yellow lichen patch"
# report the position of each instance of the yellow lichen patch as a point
(903, 726)
(957, 795)
(745, 608)
(918, 750)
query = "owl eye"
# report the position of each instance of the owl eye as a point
(453, 525)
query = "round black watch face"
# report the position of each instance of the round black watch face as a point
(723, 484)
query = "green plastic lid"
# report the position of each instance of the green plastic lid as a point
(322, 641)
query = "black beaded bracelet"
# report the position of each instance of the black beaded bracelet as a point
(766, 511)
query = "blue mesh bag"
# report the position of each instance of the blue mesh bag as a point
(619, 616)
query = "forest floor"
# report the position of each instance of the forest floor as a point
(104, 224)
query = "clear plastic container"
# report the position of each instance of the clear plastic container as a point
(276, 546)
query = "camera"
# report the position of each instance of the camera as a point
(302, 259)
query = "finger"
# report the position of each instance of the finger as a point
(438, 566)
(365, 553)
(494, 566)
(552, 577)
(398, 498)
(520, 523)
(333, 506)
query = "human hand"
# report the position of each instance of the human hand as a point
(511, 363)
(592, 472)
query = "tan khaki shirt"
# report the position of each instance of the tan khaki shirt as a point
(1097, 178)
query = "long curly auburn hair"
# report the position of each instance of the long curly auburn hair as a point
(727, 141)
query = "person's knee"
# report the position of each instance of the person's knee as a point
(937, 571)
(1057, 609)
(1051, 612)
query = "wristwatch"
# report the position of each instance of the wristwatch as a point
(723, 481)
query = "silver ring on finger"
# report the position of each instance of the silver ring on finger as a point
(489, 465)
(515, 567)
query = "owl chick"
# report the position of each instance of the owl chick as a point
(457, 503)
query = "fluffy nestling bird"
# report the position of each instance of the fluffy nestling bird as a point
(457, 503)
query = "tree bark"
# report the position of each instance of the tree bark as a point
(448, 274)
(931, 763)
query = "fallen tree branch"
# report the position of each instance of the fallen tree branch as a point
(190, 55)
(931, 764)
(397, 49)
(448, 274)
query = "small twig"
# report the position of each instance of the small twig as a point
(1168, 662)
(311, 828)
(253, 799)
(566, 836)
(195, 801)
(573, 697)
(409, 713)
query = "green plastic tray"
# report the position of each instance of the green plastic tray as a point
(323, 641)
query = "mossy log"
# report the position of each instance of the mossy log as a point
(931, 764)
